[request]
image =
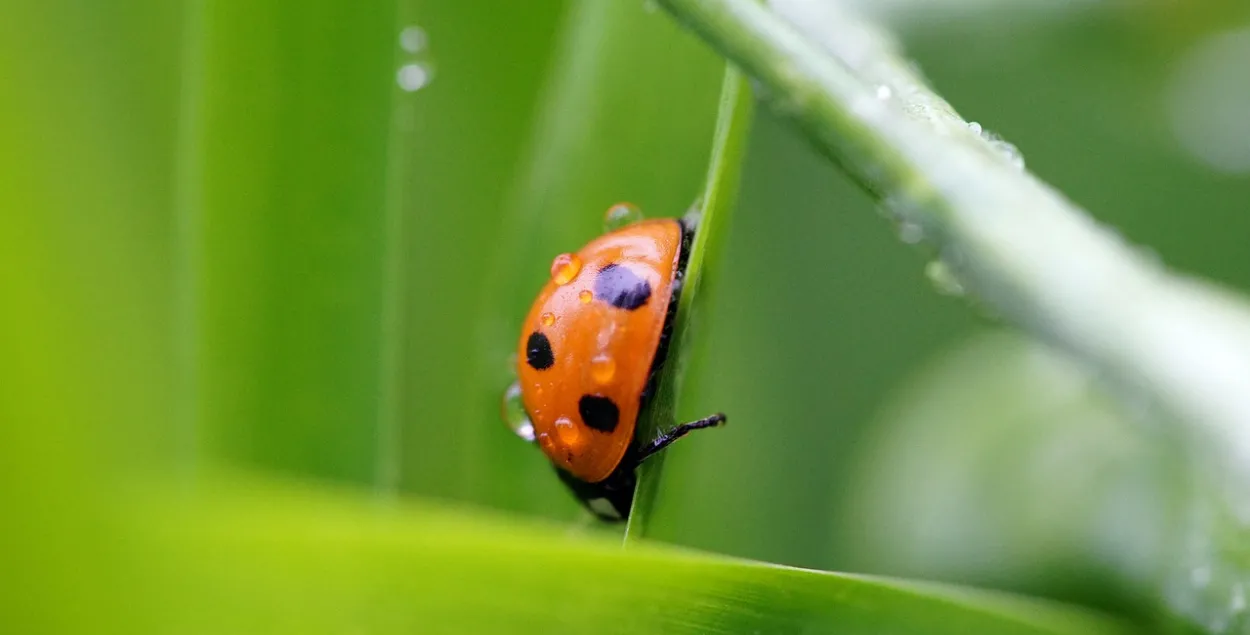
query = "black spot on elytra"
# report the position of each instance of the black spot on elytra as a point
(621, 287)
(598, 412)
(538, 352)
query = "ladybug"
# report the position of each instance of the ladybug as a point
(590, 354)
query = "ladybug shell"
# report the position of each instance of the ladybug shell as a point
(587, 346)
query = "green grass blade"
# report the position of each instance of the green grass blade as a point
(300, 561)
(188, 237)
(291, 183)
(719, 198)
(1175, 348)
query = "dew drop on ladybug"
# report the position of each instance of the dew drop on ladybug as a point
(513, 412)
(564, 268)
(620, 216)
(602, 369)
(569, 435)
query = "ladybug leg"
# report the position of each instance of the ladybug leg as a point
(678, 432)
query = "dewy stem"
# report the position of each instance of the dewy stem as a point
(1176, 348)
(1015, 243)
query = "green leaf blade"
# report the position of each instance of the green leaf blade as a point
(719, 198)
(350, 566)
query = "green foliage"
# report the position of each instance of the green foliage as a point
(350, 566)
(228, 236)
(720, 196)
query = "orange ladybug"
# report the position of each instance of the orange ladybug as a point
(589, 357)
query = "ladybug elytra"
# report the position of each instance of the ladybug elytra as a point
(590, 352)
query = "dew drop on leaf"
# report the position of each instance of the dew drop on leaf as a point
(943, 279)
(412, 39)
(910, 233)
(414, 76)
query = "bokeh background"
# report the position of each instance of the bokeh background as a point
(298, 237)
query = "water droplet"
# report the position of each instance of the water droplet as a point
(585, 296)
(1005, 149)
(910, 233)
(1200, 576)
(413, 77)
(564, 268)
(514, 415)
(547, 443)
(940, 274)
(547, 319)
(570, 436)
(1207, 99)
(884, 92)
(1009, 152)
(621, 215)
(412, 39)
(602, 369)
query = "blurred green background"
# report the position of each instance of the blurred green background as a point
(279, 235)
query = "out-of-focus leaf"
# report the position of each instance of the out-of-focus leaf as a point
(272, 559)
(283, 217)
(1004, 464)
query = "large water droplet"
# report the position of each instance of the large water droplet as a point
(514, 415)
(943, 279)
(564, 268)
(621, 215)
(414, 76)
(910, 233)
(412, 39)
